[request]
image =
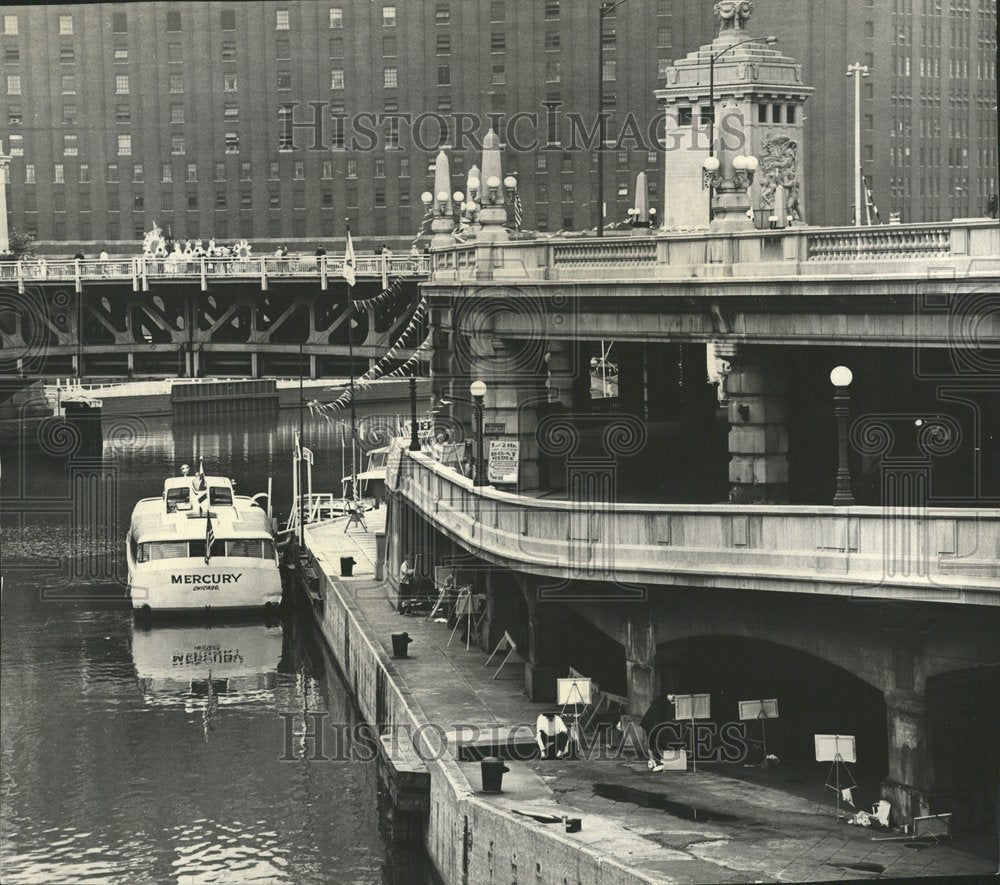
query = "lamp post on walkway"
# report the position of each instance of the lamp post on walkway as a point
(478, 391)
(603, 12)
(841, 378)
(770, 41)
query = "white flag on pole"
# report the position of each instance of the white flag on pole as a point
(350, 262)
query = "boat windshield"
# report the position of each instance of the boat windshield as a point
(220, 496)
(178, 499)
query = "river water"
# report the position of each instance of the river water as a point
(134, 755)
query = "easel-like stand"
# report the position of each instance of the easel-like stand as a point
(448, 584)
(834, 781)
(506, 642)
(574, 698)
(464, 608)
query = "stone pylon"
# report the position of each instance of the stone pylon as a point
(443, 208)
(641, 206)
(492, 197)
(4, 232)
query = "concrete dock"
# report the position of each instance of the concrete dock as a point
(470, 836)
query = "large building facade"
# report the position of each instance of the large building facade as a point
(283, 119)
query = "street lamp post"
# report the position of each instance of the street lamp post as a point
(414, 436)
(770, 41)
(857, 71)
(841, 378)
(603, 12)
(478, 391)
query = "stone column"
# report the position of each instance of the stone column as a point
(4, 233)
(640, 661)
(755, 393)
(546, 657)
(911, 774)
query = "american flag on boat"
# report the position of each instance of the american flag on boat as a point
(201, 486)
(209, 538)
(518, 210)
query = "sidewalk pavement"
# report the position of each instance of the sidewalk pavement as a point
(777, 836)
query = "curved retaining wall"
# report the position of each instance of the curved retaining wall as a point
(469, 839)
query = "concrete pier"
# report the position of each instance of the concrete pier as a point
(445, 690)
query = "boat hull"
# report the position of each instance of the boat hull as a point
(175, 585)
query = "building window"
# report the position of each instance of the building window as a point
(123, 114)
(66, 25)
(352, 196)
(609, 71)
(174, 53)
(444, 103)
(337, 78)
(388, 16)
(121, 55)
(192, 171)
(282, 50)
(220, 171)
(389, 78)
(389, 46)
(68, 84)
(609, 38)
(231, 112)
(762, 113)
(499, 74)
(567, 191)
(352, 168)
(790, 113)
(176, 83)
(66, 55)
(551, 41)
(327, 169)
(551, 10)
(85, 173)
(380, 167)
(10, 25)
(13, 84)
(166, 173)
(498, 41)
(442, 14)
(336, 18)
(444, 75)
(685, 115)
(138, 203)
(664, 37)
(176, 113)
(662, 67)
(776, 113)
(299, 170)
(336, 47)
(192, 201)
(379, 197)
(443, 44)
(281, 19)
(14, 115)
(229, 50)
(173, 21)
(274, 200)
(284, 80)
(69, 114)
(228, 19)
(552, 71)
(245, 171)
(273, 170)
(498, 11)
(229, 83)
(11, 55)
(327, 198)
(59, 174)
(70, 146)
(124, 145)
(17, 145)
(121, 84)
(177, 144)
(232, 143)
(29, 173)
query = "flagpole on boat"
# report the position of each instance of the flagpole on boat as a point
(349, 256)
(298, 466)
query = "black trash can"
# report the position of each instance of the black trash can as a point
(399, 643)
(492, 770)
(347, 564)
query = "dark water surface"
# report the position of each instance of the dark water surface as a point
(154, 756)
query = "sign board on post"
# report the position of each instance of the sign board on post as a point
(494, 428)
(505, 456)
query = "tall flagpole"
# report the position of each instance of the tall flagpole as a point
(350, 357)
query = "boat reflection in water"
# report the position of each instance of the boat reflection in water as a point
(205, 666)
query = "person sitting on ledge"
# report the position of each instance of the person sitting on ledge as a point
(551, 735)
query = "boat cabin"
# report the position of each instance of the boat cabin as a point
(181, 493)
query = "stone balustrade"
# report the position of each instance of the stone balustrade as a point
(934, 554)
(957, 248)
(140, 271)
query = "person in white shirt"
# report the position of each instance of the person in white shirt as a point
(551, 735)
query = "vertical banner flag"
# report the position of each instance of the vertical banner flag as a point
(350, 261)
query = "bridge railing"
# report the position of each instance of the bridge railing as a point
(930, 554)
(964, 246)
(141, 269)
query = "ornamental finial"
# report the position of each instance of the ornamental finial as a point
(733, 14)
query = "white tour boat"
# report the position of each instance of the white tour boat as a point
(200, 546)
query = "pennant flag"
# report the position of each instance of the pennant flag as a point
(209, 538)
(307, 455)
(201, 486)
(870, 199)
(350, 261)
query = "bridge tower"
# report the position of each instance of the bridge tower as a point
(761, 83)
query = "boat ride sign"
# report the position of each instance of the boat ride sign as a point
(505, 457)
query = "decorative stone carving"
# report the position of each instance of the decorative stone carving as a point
(779, 163)
(733, 14)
